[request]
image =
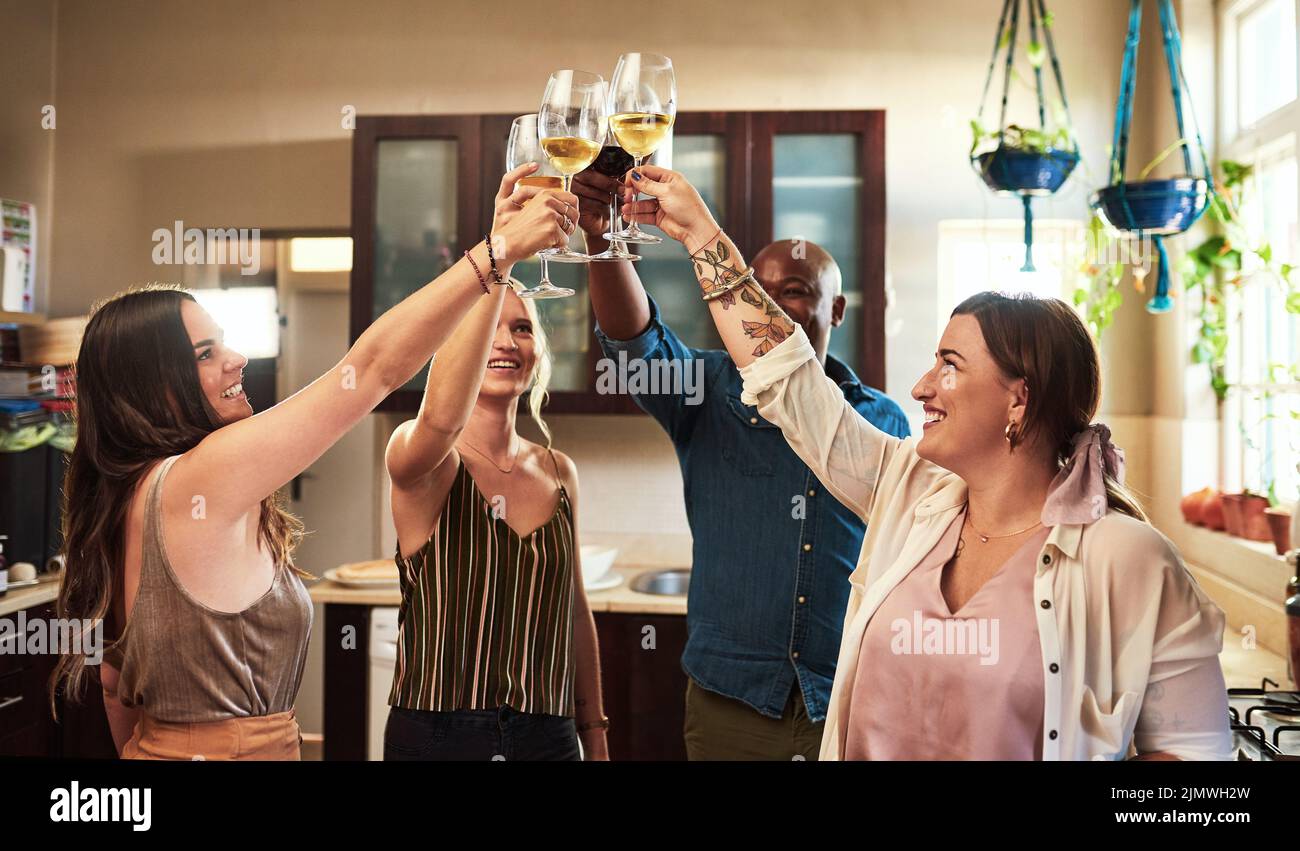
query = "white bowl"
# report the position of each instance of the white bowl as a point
(596, 562)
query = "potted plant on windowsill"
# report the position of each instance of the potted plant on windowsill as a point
(1279, 526)
(1243, 514)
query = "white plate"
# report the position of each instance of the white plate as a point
(604, 583)
(333, 575)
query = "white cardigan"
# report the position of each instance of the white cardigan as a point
(1117, 611)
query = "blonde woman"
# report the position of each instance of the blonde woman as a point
(496, 653)
(1011, 601)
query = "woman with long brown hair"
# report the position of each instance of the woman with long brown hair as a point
(496, 652)
(1011, 600)
(174, 533)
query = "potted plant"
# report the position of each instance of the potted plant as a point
(1279, 526)
(1254, 525)
(1017, 160)
(1162, 207)
(1230, 258)
(1025, 161)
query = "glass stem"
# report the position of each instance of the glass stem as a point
(546, 279)
(635, 228)
(614, 223)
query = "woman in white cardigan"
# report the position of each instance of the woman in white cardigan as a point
(1011, 601)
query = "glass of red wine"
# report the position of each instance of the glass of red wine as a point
(614, 162)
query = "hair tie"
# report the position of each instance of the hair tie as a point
(1078, 493)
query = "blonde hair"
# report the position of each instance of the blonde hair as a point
(537, 394)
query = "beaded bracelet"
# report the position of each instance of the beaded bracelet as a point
(482, 282)
(496, 275)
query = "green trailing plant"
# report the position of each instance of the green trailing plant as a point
(1023, 138)
(1220, 263)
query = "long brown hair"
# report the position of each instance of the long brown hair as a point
(138, 401)
(1043, 341)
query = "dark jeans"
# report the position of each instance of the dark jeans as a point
(479, 734)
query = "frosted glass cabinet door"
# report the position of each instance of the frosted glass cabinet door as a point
(816, 186)
(415, 236)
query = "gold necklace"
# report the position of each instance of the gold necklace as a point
(984, 539)
(490, 458)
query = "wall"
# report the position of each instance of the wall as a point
(27, 72)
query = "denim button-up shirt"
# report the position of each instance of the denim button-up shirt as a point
(767, 598)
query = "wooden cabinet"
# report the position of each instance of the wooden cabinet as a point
(422, 190)
(27, 727)
(643, 684)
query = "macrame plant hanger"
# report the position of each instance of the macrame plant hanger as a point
(1016, 171)
(1155, 209)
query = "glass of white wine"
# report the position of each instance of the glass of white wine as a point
(642, 107)
(571, 127)
(525, 147)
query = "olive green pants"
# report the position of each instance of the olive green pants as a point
(719, 728)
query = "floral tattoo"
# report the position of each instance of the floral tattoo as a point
(714, 273)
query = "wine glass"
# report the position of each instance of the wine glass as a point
(642, 106)
(571, 126)
(524, 147)
(613, 162)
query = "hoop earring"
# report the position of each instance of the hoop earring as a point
(1011, 433)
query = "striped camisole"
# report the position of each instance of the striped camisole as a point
(486, 618)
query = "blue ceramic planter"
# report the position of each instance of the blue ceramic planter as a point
(1013, 171)
(1154, 207)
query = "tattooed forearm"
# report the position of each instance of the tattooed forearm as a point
(760, 318)
(714, 271)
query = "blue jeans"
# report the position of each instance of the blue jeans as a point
(479, 734)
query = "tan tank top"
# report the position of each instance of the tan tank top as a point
(184, 662)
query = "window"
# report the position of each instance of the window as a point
(987, 254)
(1261, 125)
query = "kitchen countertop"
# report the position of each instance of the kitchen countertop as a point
(618, 599)
(24, 598)
(1241, 666)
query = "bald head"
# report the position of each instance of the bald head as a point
(804, 279)
(804, 259)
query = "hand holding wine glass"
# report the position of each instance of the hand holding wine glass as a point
(571, 127)
(675, 206)
(594, 191)
(642, 108)
(525, 149)
(529, 219)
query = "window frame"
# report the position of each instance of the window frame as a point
(1251, 143)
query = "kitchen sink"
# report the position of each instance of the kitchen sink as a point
(666, 583)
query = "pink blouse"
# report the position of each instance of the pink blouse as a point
(934, 684)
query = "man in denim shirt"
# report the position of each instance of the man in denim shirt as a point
(767, 599)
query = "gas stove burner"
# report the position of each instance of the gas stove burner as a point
(1257, 721)
(1275, 694)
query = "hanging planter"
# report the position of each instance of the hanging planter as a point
(1025, 162)
(1154, 209)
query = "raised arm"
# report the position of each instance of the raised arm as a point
(419, 446)
(749, 321)
(783, 376)
(237, 466)
(618, 299)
